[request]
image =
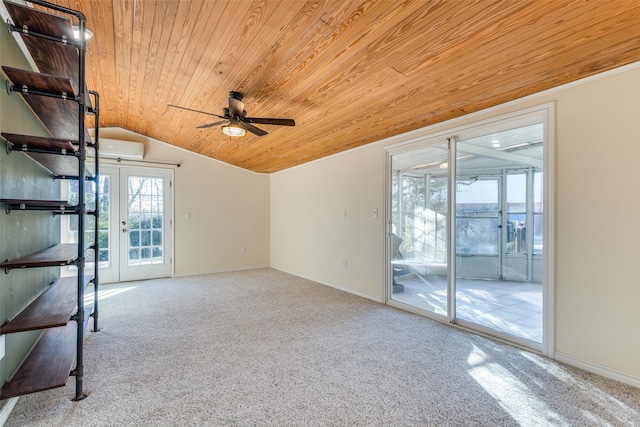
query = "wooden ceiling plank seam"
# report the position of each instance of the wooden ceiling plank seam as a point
(517, 32)
(100, 53)
(187, 14)
(331, 113)
(185, 83)
(256, 22)
(261, 12)
(164, 23)
(160, 33)
(235, 45)
(191, 31)
(254, 106)
(184, 68)
(508, 64)
(351, 65)
(249, 43)
(356, 67)
(144, 13)
(464, 100)
(305, 33)
(209, 38)
(148, 41)
(481, 95)
(123, 29)
(254, 101)
(455, 38)
(380, 58)
(314, 67)
(285, 50)
(351, 76)
(207, 80)
(269, 39)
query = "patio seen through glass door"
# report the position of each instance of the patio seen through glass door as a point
(486, 272)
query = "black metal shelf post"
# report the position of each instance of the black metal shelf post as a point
(84, 107)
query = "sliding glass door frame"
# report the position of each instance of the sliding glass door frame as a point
(423, 138)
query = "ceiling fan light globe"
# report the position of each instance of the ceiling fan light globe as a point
(76, 32)
(232, 130)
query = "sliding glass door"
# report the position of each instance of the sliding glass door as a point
(498, 275)
(466, 229)
(419, 238)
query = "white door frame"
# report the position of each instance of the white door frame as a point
(416, 140)
(111, 272)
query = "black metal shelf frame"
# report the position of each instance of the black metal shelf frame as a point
(80, 209)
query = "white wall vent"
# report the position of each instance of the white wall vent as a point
(118, 149)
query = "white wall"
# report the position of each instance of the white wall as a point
(310, 235)
(597, 249)
(229, 209)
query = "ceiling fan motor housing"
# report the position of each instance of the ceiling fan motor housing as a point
(235, 95)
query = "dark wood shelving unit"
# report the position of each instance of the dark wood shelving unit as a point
(56, 206)
(59, 255)
(51, 98)
(48, 364)
(59, 156)
(51, 58)
(57, 95)
(53, 308)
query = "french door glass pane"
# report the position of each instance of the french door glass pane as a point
(145, 219)
(103, 219)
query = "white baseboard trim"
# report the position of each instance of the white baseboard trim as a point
(6, 409)
(202, 273)
(340, 288)
(595, 368)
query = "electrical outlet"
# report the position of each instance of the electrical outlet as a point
(345, 263)
(243, 250)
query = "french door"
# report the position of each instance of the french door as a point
(135, 227)
(466, 229)
(145, 223)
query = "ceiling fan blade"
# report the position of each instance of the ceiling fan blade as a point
(208, 125)
(195, 111)
(265, 121)
(236, 106)
(251, 128)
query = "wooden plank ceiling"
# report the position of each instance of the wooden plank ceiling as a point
(349, 72)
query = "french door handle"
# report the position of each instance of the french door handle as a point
(124, 230)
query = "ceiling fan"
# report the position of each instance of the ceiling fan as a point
(235, 121)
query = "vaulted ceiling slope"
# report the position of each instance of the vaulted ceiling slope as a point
(349, 72)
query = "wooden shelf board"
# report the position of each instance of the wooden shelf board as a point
(53, 308)
(48, 364)
(50, 57)
(40, 21)
(48, 83)
(58, 116)
(25, 204)
(29, 142)
(58, 255)
(59, 165)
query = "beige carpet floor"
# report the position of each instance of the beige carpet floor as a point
(264, 348)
